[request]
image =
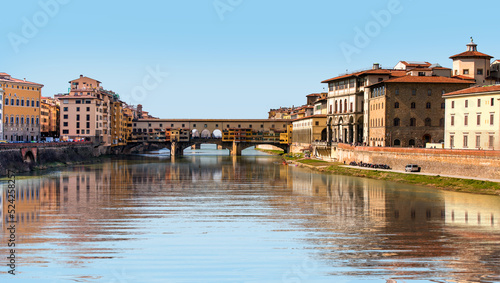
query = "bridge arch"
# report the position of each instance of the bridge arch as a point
(29, 157)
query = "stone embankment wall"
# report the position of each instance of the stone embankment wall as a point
(472, 163)
(11, 157)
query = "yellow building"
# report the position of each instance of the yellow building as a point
(118, 123)
(473, 118)
(49, 114)
(21, 109)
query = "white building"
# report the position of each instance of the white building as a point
(472, 118)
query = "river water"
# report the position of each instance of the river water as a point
(209, 218)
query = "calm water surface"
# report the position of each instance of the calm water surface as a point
(205, 218)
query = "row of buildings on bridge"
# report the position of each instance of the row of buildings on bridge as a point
(413, 104)
(87, 112)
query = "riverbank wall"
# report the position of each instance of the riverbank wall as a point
(26, 157)
(471, 163)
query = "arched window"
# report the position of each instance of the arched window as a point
(17, 119)
(345, 105)
(397, 121)
(413, 105)
(411, 142)
(413, 122)
(336, 106)
(22, 120)
(27, 120)
(427, 122)
(428, 105)
(396, 105)
(340, 107)
(397, 142)
(441, 122)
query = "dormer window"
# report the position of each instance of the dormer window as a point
(466, 71)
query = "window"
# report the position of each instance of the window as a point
(466, 141)
(452, 141)
(22, 102)
(77, 132)
(427, 122)
(413, 122)
(78, 117)
(65, 132)
(411, 142)
(466, 71)
(492, 102)
(65, 109)
(78, 125)
(65, 124)
(479, 71)
(77, 109)
(397, 121)
(65, 116)
(453, 104)
(37, 120)
(443, 92)
(428, 105)
(429, 92)
(397, 91)
(88, 125)
(32, 103)
(78, 101)
(88, 117)
(397, 142)
(6, 101)
(479, 119)
(466, 103)
(88, 109)
(17, 102)
(421, 74)
(413, 92)
(396, 105)
(12, 101)
(352, 107)
(466, 120)
(441, 122)
(65, 101)
(413, 105)
(479, 103)
(37, 103)
(492, 118)
(491, 142)
(478, 141)
(443, 105)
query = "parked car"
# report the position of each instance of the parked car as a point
(412, 168)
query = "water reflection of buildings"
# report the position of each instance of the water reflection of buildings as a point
(408, 230)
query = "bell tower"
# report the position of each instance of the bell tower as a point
(472, 64)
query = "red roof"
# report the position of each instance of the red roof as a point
(395, 73)
(312, 116)
(314, 95)
(419, 79)
(476, 89)
(462, 77)
(471, 54)
(8, 78)
(416, 64)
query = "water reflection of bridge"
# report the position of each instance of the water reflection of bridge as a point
(403, 226)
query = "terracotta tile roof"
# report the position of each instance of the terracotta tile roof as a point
(476, 89)
(395, 73)
(469, 54)
(416, 64)
(440, 68)
(314, 95)
(418, 79)
(308, 117)
(462, 77)
(7, 78)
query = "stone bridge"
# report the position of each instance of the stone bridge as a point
(177, 148)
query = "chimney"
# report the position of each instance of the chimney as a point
(81, 76)
(24, 79)
(376, 66)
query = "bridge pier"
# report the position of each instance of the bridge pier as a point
(176, 149)
(236, 149)
(196, 146)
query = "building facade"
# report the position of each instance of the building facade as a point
(473, 64)
(308, 130)
(347, 103)
(85, 112)
(473, 118)
(21, 109)
(49, 113)
(1, 113)
(409, 111)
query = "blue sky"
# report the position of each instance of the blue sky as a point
(229, 58)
